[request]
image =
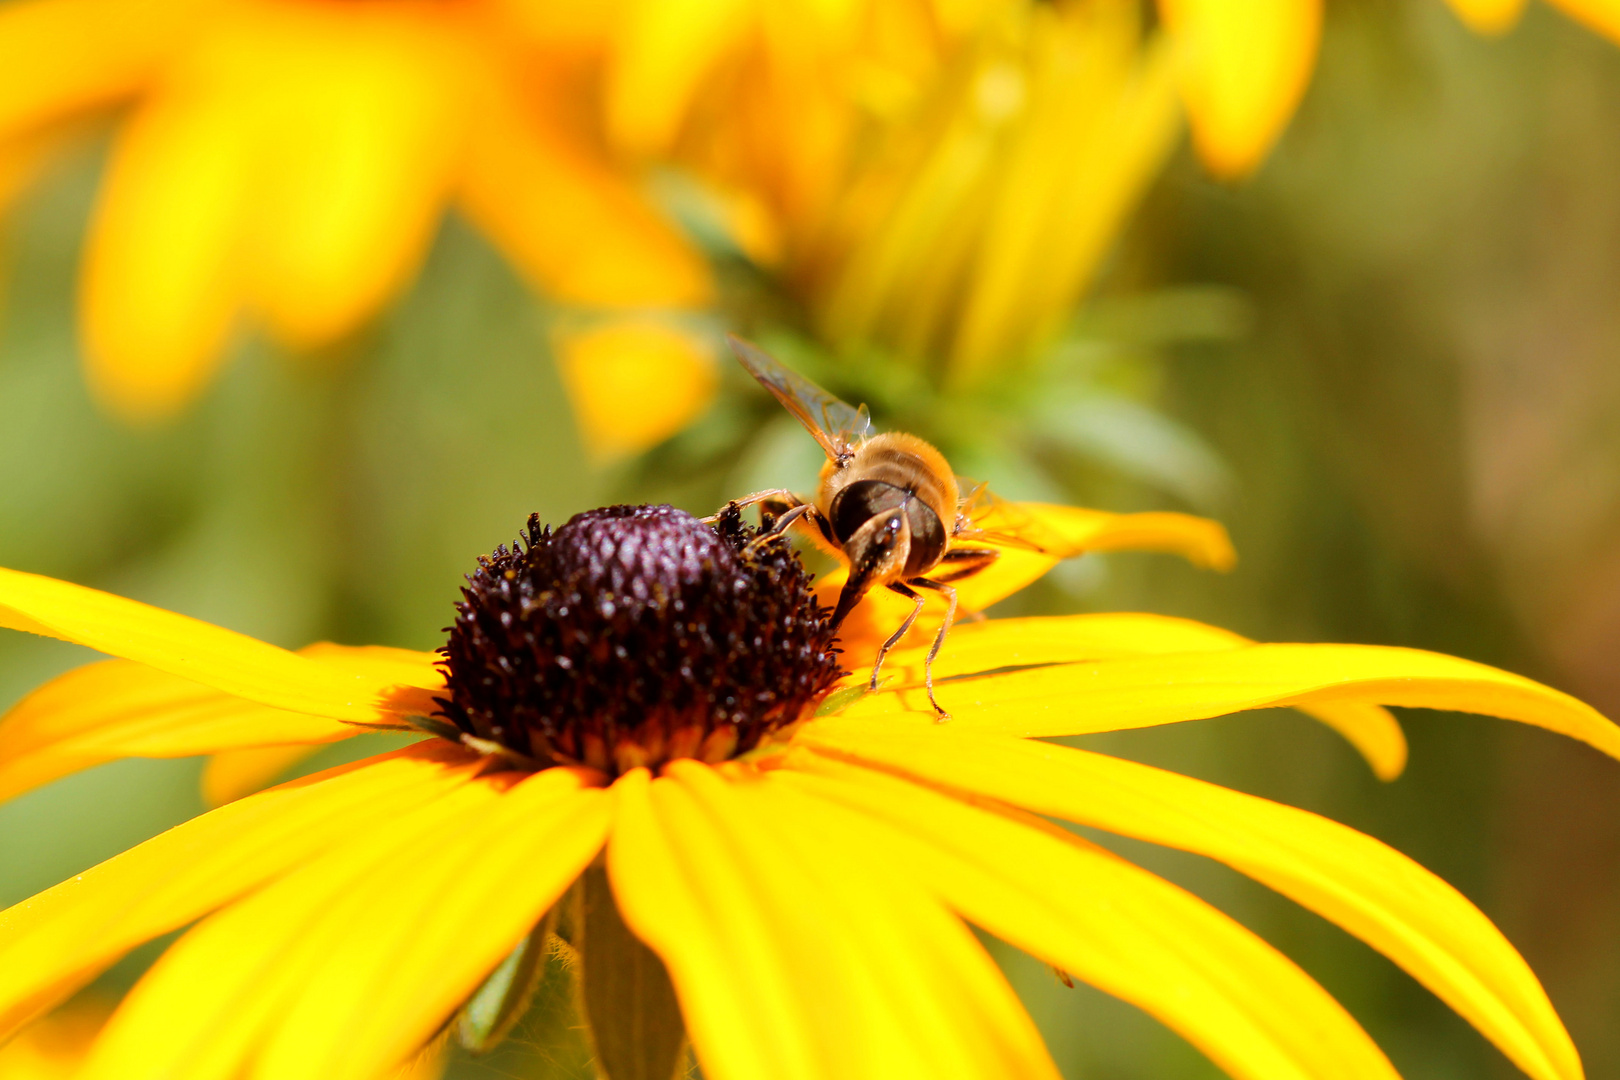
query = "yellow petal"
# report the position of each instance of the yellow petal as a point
(231, 774)
(1371, 890)
(888, 983)
(1061, 532)
(62, 57)
(1601, 15)
(1105, 921)
(52, 1048)
(974, 648)
(359, 113)
(211, 999)
(634, 383)
(1488, 16)
(160, 286)
(572, 225)
(432, 923)
(56, 941)
(1245, 65)
(1111, 695)
(662, 51)
(211, 655)
(694, 905)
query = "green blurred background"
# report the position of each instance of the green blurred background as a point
(1390, 362)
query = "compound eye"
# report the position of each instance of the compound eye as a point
(859, 503)
(927, 538)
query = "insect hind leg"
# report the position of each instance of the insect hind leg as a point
(939, 639)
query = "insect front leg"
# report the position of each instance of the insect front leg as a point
(960, 563)
(939, 638)
(775, 496)
(894, 638)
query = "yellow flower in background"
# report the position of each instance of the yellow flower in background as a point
(937, 179)
(805, 874)
(52, 1047)
(287, 162)
(634, 382)
(1245, 64)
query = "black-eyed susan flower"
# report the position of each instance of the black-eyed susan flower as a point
(641, 743)
(286, 163)
(1244, 64)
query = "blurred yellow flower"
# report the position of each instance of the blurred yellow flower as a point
(288, 161)
(1245, 64)
(939, 179)
(803, 868)
(52, 1047)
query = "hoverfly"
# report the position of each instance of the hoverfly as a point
(887, 503)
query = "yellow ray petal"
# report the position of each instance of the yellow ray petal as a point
(61, 57)
(731, 969)
(1112, 695)
(1105, 921)
(1371, 890)
(207, 1005)
(1488, 16)
(52, 1048)
(234, 773)
(1601, 15)
(160, 285)
(360, 124)
(973, 648)
(929, 1001)
(573, 226)
(1245, 65)
(634, 383)
(1062, 532)
(59, 939)
(663, 50)
(211, 655)
(430, 923)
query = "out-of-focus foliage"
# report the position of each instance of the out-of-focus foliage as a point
(1398, 337)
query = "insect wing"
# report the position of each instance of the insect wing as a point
(986, 518)
(834, 424)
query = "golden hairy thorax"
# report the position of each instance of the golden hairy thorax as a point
(891, 474)
(899, 459)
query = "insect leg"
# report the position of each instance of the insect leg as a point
(777, 495)
(894, 638)
(939, 638)
(959, 563)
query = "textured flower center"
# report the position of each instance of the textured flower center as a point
(634, 635)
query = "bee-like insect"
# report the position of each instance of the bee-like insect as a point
(888, 503)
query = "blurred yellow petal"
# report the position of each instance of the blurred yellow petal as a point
(160, 287)
(1245, 65)
(574, 227)
(230, 775)
(1488, 16)
(1371, 890)
(1601, 15)
(634, 383)
(974, 648)
(360, 124)
(1112, 695)
(434, 920)
(1101, 120)
(52, 1047)
(663, 49)
(1107, 922)
(212, 655)
(61, 57)
(56, 941)
(1061, 532)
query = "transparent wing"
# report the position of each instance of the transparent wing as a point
(834, 424)
(985, 517)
